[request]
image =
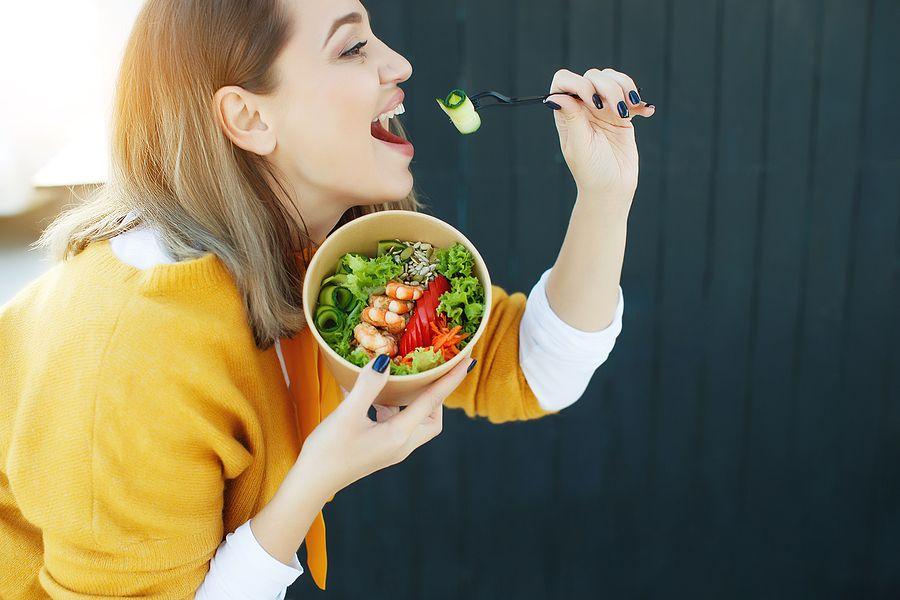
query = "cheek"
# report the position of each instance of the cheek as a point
(334, 119)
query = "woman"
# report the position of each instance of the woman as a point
(153, 441)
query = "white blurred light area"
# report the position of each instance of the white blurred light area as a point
(59, 60)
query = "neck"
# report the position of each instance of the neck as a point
(320, 209)
(321, 217)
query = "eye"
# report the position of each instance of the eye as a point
(354, 51)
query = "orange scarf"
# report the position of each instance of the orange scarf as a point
(315, 394)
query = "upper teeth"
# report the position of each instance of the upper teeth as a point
(383, 117)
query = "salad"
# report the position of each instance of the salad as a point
(418, 304)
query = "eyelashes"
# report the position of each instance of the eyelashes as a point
(355, 50)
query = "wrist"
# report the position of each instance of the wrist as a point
(285, 520)
(313, 479)
(605, 212)
(610, 207)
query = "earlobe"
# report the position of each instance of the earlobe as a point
(239, 117)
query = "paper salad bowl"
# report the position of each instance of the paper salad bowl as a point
(362, 235)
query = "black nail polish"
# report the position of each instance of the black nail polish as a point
(633, 96)
(597, 102)
(381, 363)
(552, 104)
(623, 110)
(472, 366)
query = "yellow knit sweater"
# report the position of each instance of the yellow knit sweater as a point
(139, 423)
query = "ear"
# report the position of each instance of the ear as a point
(240, 116)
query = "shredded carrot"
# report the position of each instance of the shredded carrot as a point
(445, 340)
(440, 340)
(456, 339)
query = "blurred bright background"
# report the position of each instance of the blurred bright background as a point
(59, 76)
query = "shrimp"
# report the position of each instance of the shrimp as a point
(374, 340)
(400, 307)
(380, 317)
(401, 291)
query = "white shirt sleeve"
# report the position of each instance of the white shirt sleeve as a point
(243, 570)
(557, 359)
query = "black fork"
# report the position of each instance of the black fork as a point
(492, 98)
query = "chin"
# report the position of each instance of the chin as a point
(399, 189)
(407, 188)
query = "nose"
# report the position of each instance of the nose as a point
(396, 69)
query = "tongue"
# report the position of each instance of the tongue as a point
(380, 133)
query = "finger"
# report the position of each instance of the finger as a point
(426, 431)
(383, 413)
(636, 104)
(612, 93)
(368, 385)
(567, 81)
(419, 409)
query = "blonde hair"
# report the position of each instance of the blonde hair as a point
(171, 162)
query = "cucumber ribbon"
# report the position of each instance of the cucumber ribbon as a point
(330, 322)
(461, 111)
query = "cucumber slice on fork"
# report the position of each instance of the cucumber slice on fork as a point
(461, 111)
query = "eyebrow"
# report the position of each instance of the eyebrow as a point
(353, 17)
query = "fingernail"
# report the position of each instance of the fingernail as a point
(623, 110)
(597, 101)
(634, 97)
(552, 104)
(471, 365)
(381, 363)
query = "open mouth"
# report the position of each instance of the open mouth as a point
(380, 133)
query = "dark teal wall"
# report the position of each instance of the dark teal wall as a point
(743, 440)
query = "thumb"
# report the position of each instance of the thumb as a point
(368, 385)
(571, 118)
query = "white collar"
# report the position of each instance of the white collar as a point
(140, 247)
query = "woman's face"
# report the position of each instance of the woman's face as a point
(329, 91)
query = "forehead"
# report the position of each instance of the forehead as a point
(315, 17)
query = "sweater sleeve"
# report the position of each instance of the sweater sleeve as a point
(496, 388)
(149, 516)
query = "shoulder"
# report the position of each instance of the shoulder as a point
(204, 325)
(175, 357)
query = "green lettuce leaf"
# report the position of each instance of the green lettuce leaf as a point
(463, 304)
(369, 274)
(455, 260)
(422, 360)
(342, 344)
(358, 357)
